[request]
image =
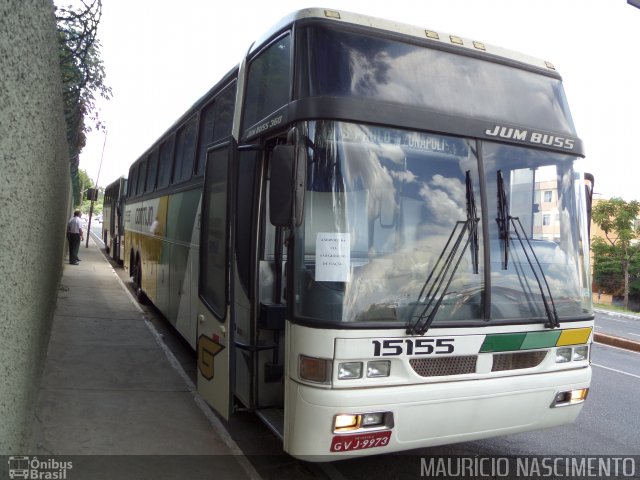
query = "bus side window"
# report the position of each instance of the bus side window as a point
(268, 81)
(166, 162)
(272, 281)
(205, 137)
(152, 171)
(132, 182)
(245, 195)
(216, 120)
(225, 104)
(213, 257)
(185, 151)
(142, 177)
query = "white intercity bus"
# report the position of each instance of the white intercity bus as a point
(374, 236)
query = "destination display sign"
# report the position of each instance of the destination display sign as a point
(425, 142)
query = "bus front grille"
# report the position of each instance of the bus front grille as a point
(440, 367)
(466, 364)
(517, 360)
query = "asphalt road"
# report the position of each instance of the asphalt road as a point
(96, 230)
(618, 325)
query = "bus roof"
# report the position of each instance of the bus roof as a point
(452, 41)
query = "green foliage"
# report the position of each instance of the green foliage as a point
(616, 257)
(608, 272)
(85, 205)
(97, 206)
(617, 218)
(83, 76)
(85, 181)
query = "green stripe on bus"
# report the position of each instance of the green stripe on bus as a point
(540, 340)
(502, 342)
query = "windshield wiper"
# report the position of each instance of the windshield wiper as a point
(472, 220)
(442, 271)
(504, 220)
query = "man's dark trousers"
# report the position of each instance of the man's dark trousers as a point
(74, 247)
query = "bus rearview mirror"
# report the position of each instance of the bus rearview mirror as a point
(286, 193)
(588, 186)
(280, 190)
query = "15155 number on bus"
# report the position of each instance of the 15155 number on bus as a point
(412, 346)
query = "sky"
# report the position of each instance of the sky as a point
(161, 56)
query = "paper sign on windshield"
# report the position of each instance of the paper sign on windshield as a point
(333, 257)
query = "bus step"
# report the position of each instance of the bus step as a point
(274, 419)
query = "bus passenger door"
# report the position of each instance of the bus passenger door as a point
(215, 332)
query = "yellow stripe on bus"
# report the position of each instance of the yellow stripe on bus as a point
(574, 336)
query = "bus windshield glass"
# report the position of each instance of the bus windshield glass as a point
(391, 224)
(348, 64)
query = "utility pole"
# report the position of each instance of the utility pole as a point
(95, 196)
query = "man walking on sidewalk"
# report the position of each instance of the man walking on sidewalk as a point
(74, 236)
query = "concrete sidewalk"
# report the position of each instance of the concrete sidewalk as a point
(111, 387)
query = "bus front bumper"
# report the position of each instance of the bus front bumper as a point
(426, 415)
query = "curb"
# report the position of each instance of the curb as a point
(613, 313)
(616, 342)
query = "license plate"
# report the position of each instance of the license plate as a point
(360, 441)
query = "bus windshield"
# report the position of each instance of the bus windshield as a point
(386, 209)
(349, 64)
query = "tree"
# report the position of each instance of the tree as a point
(85, 181)
(84, 204)
(614, 254)
(82, 77)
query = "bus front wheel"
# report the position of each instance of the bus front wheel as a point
(142, 298)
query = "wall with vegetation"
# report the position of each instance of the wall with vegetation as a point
(34, 205)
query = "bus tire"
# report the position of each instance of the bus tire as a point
(142, 298)
(132, 267)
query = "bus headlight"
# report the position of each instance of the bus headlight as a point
(372, 419)
(563, 355)
(349, 422)
(378, 368)
(580, 353)
(570, 397)
(349, 370)
(346, 422)
(575, 354)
